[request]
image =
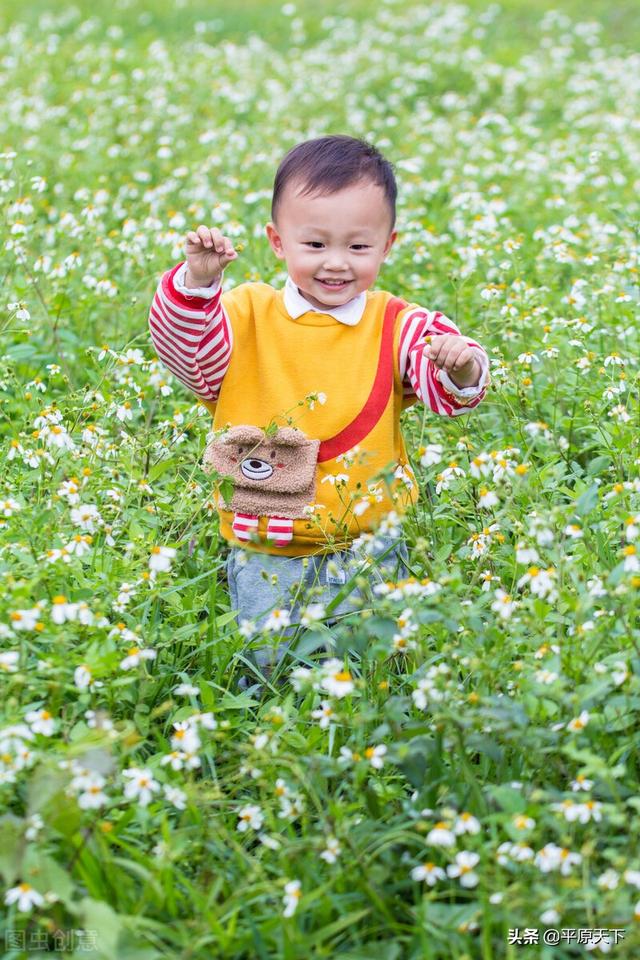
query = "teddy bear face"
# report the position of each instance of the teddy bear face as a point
(282, 463)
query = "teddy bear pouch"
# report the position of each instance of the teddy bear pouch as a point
(273, 476)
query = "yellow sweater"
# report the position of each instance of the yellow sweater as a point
(276, 363)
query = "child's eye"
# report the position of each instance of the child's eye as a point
(314, 243)
(359, 246)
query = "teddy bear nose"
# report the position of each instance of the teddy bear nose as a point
(254, 469)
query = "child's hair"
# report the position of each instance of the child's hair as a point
(328, 164)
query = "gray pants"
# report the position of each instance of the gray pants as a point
(262, 582)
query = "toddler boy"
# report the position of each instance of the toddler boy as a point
(306, 384)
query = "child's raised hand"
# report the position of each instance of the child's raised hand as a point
(208, 252)
(450, 353)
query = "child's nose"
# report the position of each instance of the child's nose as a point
(335, 260)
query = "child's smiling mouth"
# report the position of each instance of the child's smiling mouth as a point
(332, 284)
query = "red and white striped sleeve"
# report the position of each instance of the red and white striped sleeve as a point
(423, 379)
(191, 334)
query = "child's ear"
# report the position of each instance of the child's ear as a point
(390, 242)
(274, 240)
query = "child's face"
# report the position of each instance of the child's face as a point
(333, 245)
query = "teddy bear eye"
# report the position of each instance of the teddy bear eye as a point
(272, 454)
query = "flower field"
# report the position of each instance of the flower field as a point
(460, 776)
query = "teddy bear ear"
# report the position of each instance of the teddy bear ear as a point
(290, 437)
(244, 434)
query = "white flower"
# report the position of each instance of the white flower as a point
(175, 796)
(440, 835)
(124, 411)
(430, 454)
(36, 823)
(312, 613)
(9, 506)
(631, 561)
(185, 737)
(619, 672)
(348, 756)
(552, 857)
(620, 412)
(522, 822)
(632, 877)
(332, 850)
(86, 517)
(550, 917)
(526, 554)
(141, 785)
(335, 479)
(539, 581)
(632, 527)
(447, 476)
(324, 714)
(608, 880)
(428, 872)
(581, 783)
(273, 843)
(574, 531)
(487, 498)
(83, 678)
(545, 676)
(41, 721)
(161, 557)
(480, 466)
(186, 690)
(24, 619)
(292, 894)
(277, 620)
(337, 681)
(135, 656)
(79, 545)
(9, 661)
(463, 868)
(375, 495)
(375, 755)
(466, 823)
(25, 896)
(251, 816)
(93, 795)
(503, 605)
(583, 812)
(579, 723)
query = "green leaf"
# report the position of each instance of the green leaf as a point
(45, 783)
(46, 874)
(99, 918)
(11, 843)
(159, 468)
(225, 489)
(587, 500)
(598, 465)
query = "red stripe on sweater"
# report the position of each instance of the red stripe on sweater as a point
(378, 398)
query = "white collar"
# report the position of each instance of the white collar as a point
(349, 313)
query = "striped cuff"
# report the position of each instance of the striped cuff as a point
(462, 394)
(206, 292)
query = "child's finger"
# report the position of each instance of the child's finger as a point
(464, 357)
(205, 235)
(435, 348)
(218, 240)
